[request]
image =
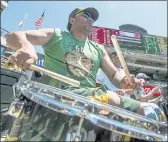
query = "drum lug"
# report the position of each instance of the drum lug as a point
(78, 133)
(74, 135)
(16, 108)
(16, 91)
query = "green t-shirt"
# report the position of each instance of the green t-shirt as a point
(73, 58)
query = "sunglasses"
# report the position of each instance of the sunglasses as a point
(86, 15)
(113, 54)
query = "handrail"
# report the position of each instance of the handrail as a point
(4, 32)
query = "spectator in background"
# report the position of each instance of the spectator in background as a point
(101, 77)
(104, 80)
(141, 95)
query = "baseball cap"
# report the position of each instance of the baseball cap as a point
(142, 75)
(92, 11)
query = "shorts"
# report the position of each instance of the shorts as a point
(101, 94)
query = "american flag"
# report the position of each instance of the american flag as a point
(39, 21)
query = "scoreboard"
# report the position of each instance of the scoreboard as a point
(150, 44)
(128, 38)
(162, 41)
(103, 36)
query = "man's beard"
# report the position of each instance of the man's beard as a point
(88, 28)
(85, 30)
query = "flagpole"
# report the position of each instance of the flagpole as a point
(23, 22)
(40, 27)
(22, 28)
(36, 47)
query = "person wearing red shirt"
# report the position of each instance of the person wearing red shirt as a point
(148, 93)
(141, 95)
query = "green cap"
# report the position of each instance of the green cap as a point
(92, 11)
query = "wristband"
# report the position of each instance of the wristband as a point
(117, 78)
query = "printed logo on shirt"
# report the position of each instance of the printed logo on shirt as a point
(78, 63)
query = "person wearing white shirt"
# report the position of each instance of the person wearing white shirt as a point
(103, 79)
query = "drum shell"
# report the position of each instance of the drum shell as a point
(44, 124)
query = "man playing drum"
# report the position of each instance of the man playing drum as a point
(72, 54)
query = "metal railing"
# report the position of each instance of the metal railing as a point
(4, 32)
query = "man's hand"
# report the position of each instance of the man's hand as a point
(133, 84)
(24, 57)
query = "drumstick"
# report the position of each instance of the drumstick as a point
(120, 56)
(53, 75)
(56, 76)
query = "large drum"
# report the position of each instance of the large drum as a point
(46, 113)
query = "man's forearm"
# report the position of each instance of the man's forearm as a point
(118, 78)
(17, 40)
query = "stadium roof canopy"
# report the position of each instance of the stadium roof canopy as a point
(132, 28)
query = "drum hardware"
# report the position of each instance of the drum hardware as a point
(16, 108)
(4, 111)
(72, 134)
(78, 133)
(16, 91)
(19, 103)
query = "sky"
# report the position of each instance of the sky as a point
(150, 15)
